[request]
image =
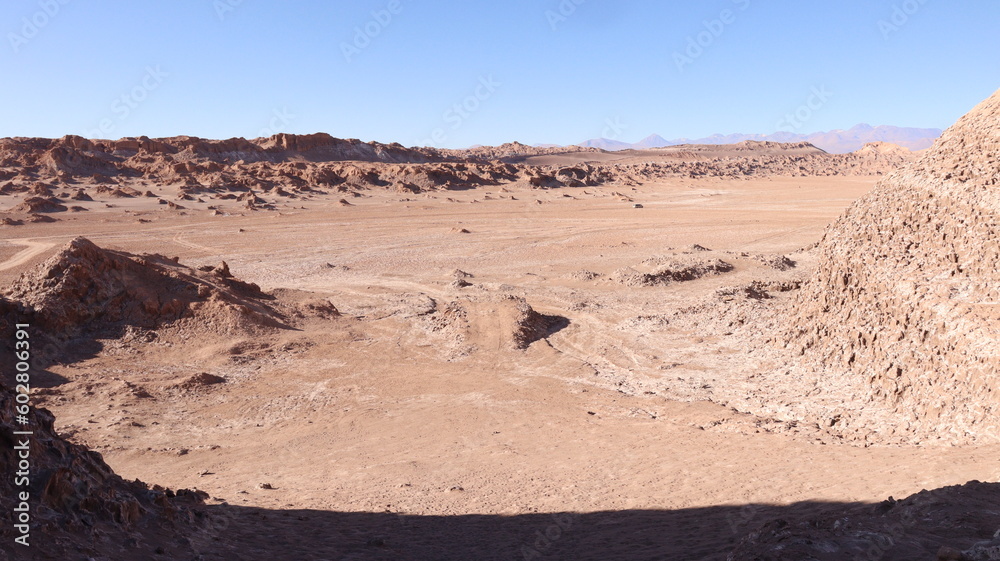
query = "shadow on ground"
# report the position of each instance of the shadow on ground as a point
(959, 522)
(237, 533)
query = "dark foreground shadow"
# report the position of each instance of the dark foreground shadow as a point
(237, 533)
(936, 524)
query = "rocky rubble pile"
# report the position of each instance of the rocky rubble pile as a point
(667, 271)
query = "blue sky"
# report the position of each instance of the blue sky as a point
(456, 74)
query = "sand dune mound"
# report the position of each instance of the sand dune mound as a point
(79, 507)
(905, 295)
(954, 523)
(87, 288)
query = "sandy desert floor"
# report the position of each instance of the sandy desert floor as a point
(381, 434)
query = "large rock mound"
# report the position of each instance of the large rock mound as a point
(84, 288)
(905, 298)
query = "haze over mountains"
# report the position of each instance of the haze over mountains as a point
(835, 141)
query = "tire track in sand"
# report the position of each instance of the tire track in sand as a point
(31, 250)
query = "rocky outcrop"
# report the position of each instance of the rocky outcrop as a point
(78, 507)
(526, 325)
(905, 298)
(87, 289)
(290, 165)
(40, 204)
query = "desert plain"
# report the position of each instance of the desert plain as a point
(534, 364)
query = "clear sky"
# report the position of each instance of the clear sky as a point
(455, 74)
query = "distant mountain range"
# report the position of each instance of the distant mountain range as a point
(835, 141)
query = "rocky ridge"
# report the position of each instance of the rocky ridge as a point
(292, 166)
